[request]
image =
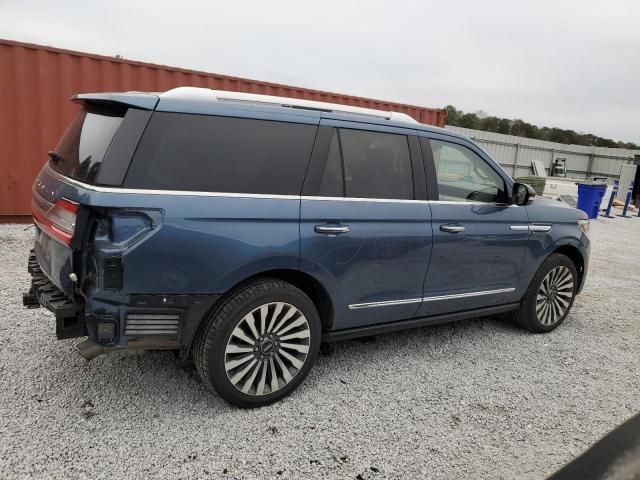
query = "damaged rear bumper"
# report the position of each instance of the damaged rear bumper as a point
(132, 324)
(69, 314)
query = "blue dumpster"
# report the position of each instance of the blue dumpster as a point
(590, 196)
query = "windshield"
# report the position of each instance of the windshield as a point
(81, 149)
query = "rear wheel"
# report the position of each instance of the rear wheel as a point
(550, 295)
(259, 344)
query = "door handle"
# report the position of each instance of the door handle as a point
(452, 228)
(331, 229)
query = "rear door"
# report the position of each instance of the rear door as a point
(479, 237)
(365, 222)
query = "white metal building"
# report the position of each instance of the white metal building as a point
(516, 153)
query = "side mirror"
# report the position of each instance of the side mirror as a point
(522, 193)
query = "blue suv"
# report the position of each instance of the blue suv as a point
(242, 230)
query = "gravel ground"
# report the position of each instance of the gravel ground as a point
(474, 399)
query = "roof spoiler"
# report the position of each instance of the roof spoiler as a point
(146, 101)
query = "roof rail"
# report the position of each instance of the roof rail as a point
(206, 94)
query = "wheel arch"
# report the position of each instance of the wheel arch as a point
(575, 255)
(305, 282)
(309, 285)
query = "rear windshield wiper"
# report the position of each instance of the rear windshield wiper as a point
(55, 157)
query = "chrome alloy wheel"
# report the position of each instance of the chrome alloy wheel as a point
(554, 296)
(267, 348)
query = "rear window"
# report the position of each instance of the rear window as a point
(221, 154)
(81, 149)
(374, 165)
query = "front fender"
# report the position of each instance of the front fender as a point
(565, 237)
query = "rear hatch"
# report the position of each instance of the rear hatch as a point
(57, 210)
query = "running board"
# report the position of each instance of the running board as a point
(349, 333)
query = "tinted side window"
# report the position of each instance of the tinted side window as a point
(464, 176)
(376, 165)
(219, 154)
(82, 148)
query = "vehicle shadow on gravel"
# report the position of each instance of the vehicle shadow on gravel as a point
(156, 381)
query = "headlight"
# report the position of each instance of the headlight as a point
(584, 225)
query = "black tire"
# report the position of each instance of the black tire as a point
(528, 316)
(212, 359)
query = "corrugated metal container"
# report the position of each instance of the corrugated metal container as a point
(36, 83)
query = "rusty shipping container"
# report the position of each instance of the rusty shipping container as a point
(36, 83)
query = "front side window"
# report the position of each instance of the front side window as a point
(463, 176)
(374, 165)
(221, 154)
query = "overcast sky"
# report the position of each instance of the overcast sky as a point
(571, 64)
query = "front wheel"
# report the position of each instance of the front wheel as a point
(259, 344)
(550, 295)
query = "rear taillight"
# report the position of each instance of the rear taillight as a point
(59, 221)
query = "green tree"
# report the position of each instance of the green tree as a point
(481, 121)
(468, 120)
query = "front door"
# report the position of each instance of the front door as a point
(365, 236)
(479, 238)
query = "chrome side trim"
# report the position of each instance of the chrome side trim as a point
(540, 228)
(189, 193)
(362, 199)
(144, 191)
(532, 228)
(389, 303)
(467, 295)
(486, 204)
